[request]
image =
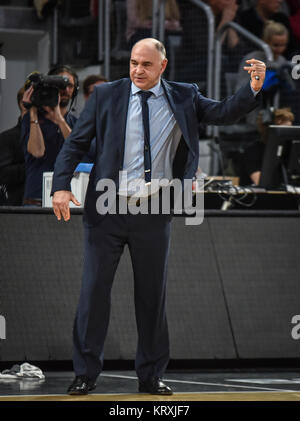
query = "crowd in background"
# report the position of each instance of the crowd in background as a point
(31, 147)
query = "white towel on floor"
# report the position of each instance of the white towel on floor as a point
(23, 371)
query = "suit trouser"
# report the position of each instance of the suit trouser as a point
(148, 238)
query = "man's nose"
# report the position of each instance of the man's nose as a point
(139, 69)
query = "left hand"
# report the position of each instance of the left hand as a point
(256, 68)
(61, 204)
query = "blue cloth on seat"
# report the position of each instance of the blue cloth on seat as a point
(84, 167)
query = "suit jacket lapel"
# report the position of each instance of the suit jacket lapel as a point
(120, 101)
(176, 105)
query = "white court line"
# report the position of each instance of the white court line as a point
(205, 384)
(125, 394)
(266, 389)
(65, 394)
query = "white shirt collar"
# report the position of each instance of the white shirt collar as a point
(156, 90)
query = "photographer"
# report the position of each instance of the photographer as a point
(47, 124)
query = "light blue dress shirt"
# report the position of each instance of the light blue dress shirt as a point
(165, 135)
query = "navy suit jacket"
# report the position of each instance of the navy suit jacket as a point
(105, 116)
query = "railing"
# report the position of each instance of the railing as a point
(218, 56)
(156, 13)
(54, 37)
(158, 19)
(104, 8)
(158, 31)
(211, 41)
(101, 31)
(218, 50)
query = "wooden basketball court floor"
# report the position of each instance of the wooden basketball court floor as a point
(234, 385)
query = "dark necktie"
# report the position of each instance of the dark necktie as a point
(145, 95)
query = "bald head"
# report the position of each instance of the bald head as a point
(152, 43)
(147, 63)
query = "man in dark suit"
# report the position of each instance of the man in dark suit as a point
(117, 114)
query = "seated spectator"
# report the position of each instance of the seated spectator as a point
(192, 58)
(12, 164)
(139, 20)
(254, 20)
(90, 82)
(252, 158)
(276, 36)
(44, 130)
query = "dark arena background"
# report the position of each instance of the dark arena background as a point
(233, 290)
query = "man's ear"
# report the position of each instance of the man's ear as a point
(164, 64)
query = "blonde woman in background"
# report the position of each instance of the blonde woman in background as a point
(276, 36)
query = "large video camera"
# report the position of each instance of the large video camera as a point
(45, 89)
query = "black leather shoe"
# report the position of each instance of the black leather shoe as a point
(81, 385)
(155, 387)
